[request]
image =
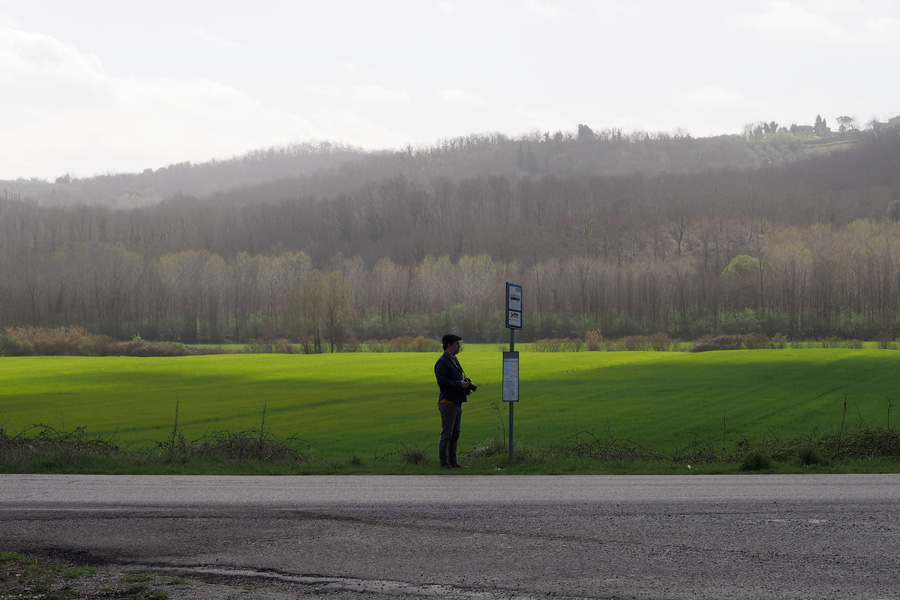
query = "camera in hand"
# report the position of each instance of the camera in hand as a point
(472, 386)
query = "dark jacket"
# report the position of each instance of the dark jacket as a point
(449, 376)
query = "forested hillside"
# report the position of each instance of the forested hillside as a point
(325, 245)
(327, 169)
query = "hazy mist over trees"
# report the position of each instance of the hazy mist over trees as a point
(771, 232)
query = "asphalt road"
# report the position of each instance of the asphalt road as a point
(488, 537)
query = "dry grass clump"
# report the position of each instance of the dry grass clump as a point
(225, 446)
(77, 341)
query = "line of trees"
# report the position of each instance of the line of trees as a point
(804, 283)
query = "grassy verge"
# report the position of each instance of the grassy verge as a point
(258, 453)
(23, 576)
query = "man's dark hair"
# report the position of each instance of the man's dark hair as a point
(449, 339)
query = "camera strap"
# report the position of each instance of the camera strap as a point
(459, 366)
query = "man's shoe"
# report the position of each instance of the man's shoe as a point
(457, 466)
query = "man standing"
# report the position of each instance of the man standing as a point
(454, 388)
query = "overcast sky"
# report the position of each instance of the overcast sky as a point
(90, 87)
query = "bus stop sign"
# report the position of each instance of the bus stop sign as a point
(513, 306)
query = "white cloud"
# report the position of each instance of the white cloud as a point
(24, 54)
(63, 112)
(882, 29)
(327, 91)
(849, 24)
(350, 127)
(39, 73)
(215, 40)
(459, 97)
(714, 97)
(376, 94)
(545, 9)
(622, 8)
(8, 21)
(784, 15)
(156, 122)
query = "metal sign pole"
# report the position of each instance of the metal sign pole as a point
(511, 359)
(512, 348)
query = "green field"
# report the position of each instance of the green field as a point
(369, 404)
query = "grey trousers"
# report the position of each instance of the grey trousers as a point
(451, 419)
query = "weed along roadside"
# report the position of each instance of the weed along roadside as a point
(27, 576)
(786, 410)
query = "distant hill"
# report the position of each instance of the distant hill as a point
(129, 190)
(326, 169)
